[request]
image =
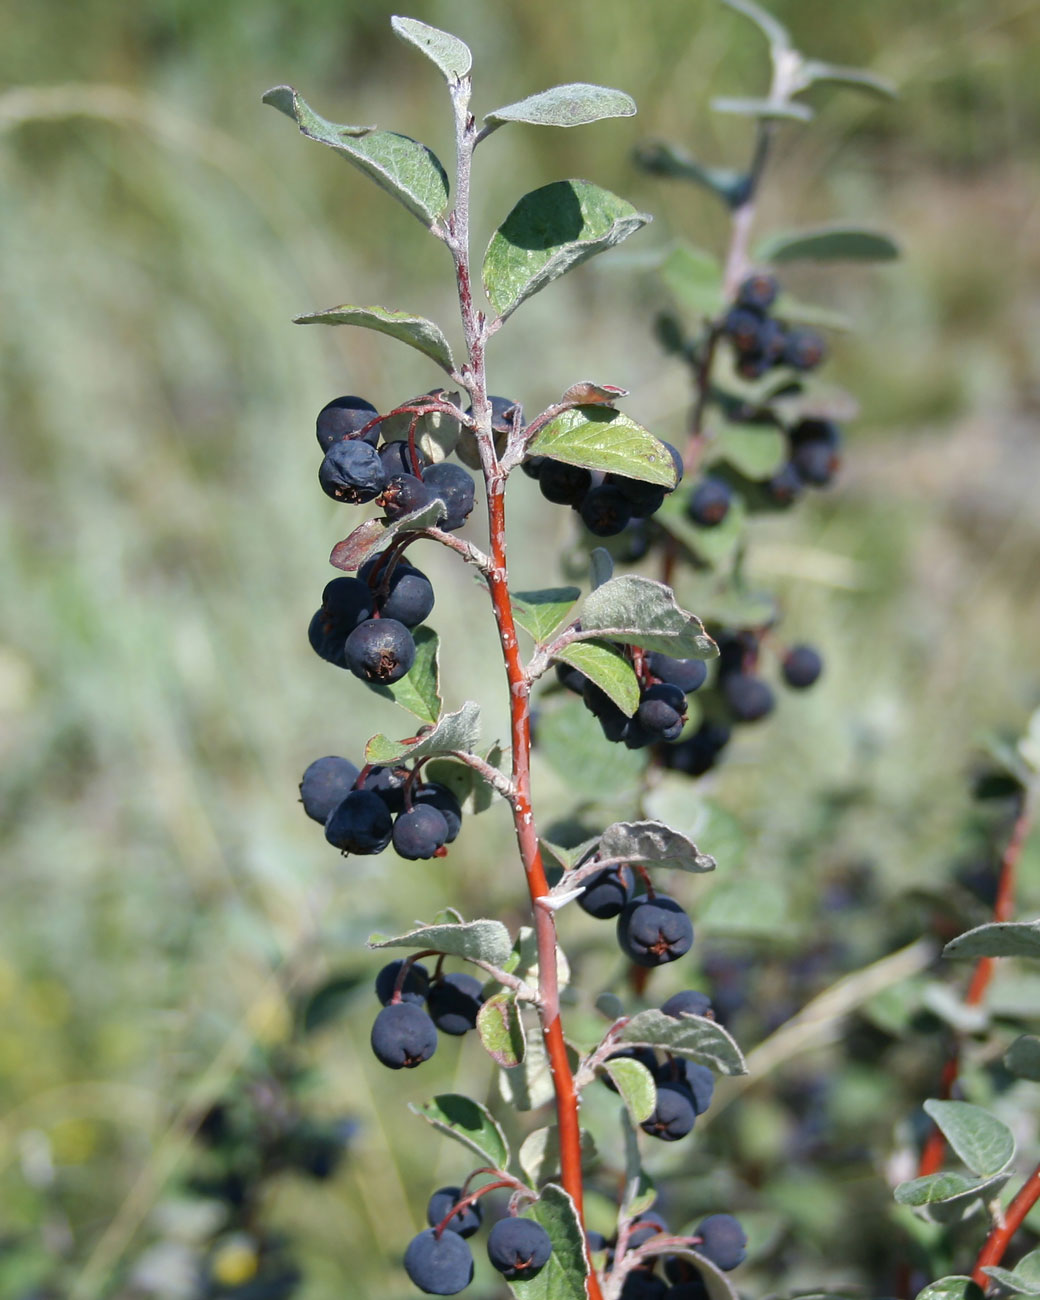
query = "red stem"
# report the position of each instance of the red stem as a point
(467, 1201)
(999, 1238)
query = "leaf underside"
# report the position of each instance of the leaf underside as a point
(416, 331)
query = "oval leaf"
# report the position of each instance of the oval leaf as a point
(640, 611)
(541, 612)
(419, 690)
(436, 432)
(455, 731)
(635, 1084)
(1024, 1278)
(401, 166)
(982, 1141)
(693, 1037)
(1023, 1057)
(484, 940)
(639, 1192)
(813, 71)
(662, 158)
(837, 243)
(574, 104)
(374, 535)
(755, 450)
(451, 55)
(528, 1085)
(563, 1277)
(997, 939)
(935, 1189)
(655, 845)
(954, 1287)
(539, 1154)
(694, 277)
(416, 331)
(608, 668)
(598, 437)
(771, 28)
(717, 1285)
(501, 1030)
(551, 230)
(469, 1123)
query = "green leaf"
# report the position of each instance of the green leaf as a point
(570, 739)
(693, 1037)
(714, 546)
(954, 1287)
(715, 830)
(601, 567)
(1023, 1279)
(523, 960)
(451, 55)
(608, 668)
(374, 535)
(834, 243)
(769, 110)
(774, 31)
(662, 158)
(640, 611)
(694, 277)
(455, 731)
(639, 1192)
(1023, 1057)
(610, 1005)
(755, 450)
(501, 1030)
(401, 166)
(997, 939)
(655, 845)
(539, 1154)
(436, 432)
(416, 331)
(551, 230)
(469, 1123)
(935, 1189)
(789, 308)
(635, 1085)
(725, 911)
(982, 1141)
(541, 612)
(419, 690)
(472, 791)
(528, 1085)
(717, 1285)
(484, 940)
(814, 71)
(329, 1001)
(575, 104)
(563, 1277)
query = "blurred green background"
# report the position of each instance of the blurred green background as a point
(166, 542)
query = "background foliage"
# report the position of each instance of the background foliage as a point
(163, 895)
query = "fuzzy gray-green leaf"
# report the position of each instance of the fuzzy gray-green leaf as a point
(1023, 1057)
(601, 438)
(983, 1142)
(640, 611)
(574, 104)
(936, 1189)
(501, 1030)
(451, 55)
(486, 940)
(455, 731)
(549, 231)
(416, 331)
(469, 1123)
(655, 845)
(997, 939)
(635, 1085)
(694, 1037)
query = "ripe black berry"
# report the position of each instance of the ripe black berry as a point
(453, 1003)
(607, 892)
(404, 494)
(644, 1228)
(698, 1081)
(748, 697)
(440, 797)
(612, 719)
(571, 678)
(420, 832)
(410, 599)
(380, 650)
(709, 502)
(464, 1222)
(605, 511)
(816, 463)
(403, 1036)
(674, 1114)
(352, 472)
(688, 674)
(758, 291)
(656, 718)
(689, 1002)
(415, 985)
(360, 824)
(691, 1290)
(741, 325)
(643, 498)
(325, 784)
(785, 487)
(565, 485)
(397, 458)
(342, 418)
(455, 488)
(439, 1265)
(518, 1248)
(804, 350)
(641, 1284)
(654, 931)
(723, 1241)
(347, 602)
(698, 753)
(326, 639)
(388, 783)
(802, 666)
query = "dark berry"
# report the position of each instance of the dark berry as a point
(741, 325)
(772, 342)
(816, 462)
(640, 1284)
(439, 1265)
(532, 465)
(658, 719)
(689, 1002)
(453, 1003)
(605, 511)
(571, 678)
(698, 1081)
(397, 458)
(403, 1036)
(785, 487)
(347, 602)
(674, 1114)
(565, 485)
(326, 639)
(804, 349)
(410, 599)
(643, 498)
(613, 720)
(342, 418)
(596, 1240)
(709, 502)
(815, 429)
(665, 693)
(737, 650)
(464, 1222)
(688, 674)
(607, 892)
(415, 985)
(352, 472)
(325, 784)
(654, 931)
(753, 366)
(440, 797)
(518, 1248)
(723, 1241)
(758, 291)
(380, 650)
(636, 736)
(677, 461)
(689, 1287)
(360, 824)
(503, 412)
(748, 697)
(802, 666)
(404, 494)
(388, 783)
(420, 833)
(455, 488)
(698, 753)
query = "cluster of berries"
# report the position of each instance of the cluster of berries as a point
(739, 696)
(439, 1261)
(664, 685)
(364, 810)
(719, 1238)
(762, 342)
(404, 1034)
(607, 503)
(651, 929)
(684, 1088)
